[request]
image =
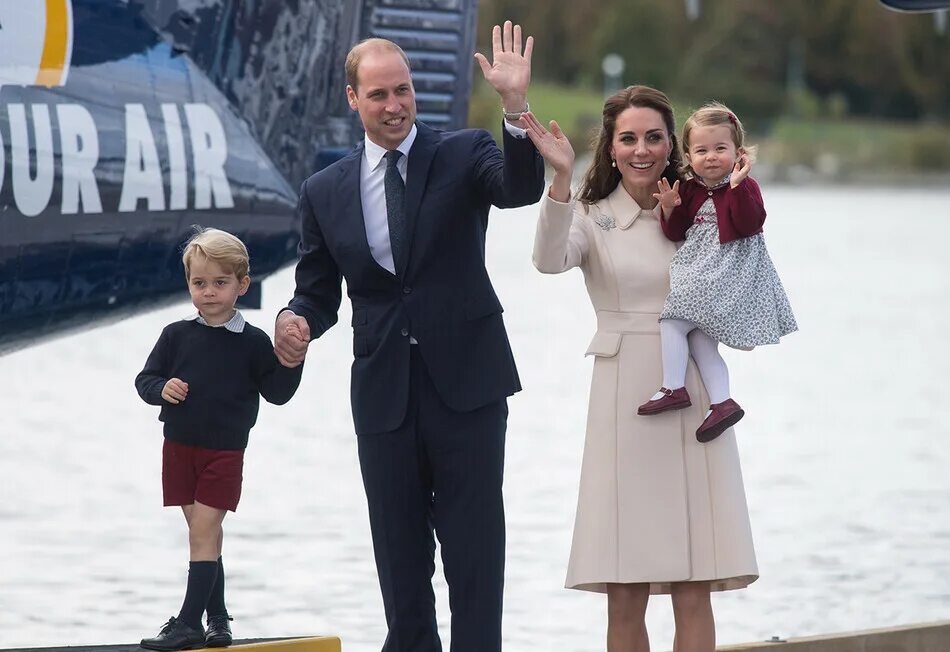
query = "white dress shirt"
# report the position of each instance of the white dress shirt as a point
(373, 196)
(373, 192)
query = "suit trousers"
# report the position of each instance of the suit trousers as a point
(440, 471)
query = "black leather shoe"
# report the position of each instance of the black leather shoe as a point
(219, 631)
(175, 635)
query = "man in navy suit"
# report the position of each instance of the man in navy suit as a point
(403, 218)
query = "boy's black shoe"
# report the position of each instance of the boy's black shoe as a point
(175, 635)
(219, 631)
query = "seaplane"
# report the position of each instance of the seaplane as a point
(123, 123)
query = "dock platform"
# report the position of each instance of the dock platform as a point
(921, 637)
(310, 644)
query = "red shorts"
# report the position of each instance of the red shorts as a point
(192, 473)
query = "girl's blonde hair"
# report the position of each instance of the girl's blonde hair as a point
(716, 114)
(219, 246)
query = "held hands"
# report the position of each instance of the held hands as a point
(740, 171)
(509, 72)
(291, 339)
(668, 197)
(175, 391)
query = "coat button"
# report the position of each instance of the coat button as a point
(404, 332)
(407, 290)
(710, 193)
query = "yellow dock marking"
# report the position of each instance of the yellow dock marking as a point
(319, 644)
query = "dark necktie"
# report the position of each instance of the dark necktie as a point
(395, 207)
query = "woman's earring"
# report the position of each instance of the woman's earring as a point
(613, 163)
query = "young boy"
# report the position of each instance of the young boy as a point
(207, 372)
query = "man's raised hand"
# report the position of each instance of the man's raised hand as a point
(509, 71)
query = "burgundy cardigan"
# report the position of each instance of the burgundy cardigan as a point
(740, 212)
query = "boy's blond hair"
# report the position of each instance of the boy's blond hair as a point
(219, 246)
(715, 114)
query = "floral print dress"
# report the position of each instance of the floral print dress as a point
(731, 291)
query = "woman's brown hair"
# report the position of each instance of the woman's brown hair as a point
(602, 178)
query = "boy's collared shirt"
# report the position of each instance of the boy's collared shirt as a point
(235, 324)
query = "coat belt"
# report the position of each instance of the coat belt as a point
(628, 322)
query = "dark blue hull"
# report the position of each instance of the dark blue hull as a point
(144, 119)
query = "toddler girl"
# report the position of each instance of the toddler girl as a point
(723, 286)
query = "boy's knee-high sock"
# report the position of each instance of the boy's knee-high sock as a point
(201, 576)
(216, 601)
(675, 349)
(713, 369)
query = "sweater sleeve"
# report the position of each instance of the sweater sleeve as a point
(746, 209)
(275, 382)
(152, 378)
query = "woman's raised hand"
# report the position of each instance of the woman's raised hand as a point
(740, 171)
(668, 197)
(553, 145)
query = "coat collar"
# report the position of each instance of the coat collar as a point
(417, 175)
(349, 172)
(351, 207)
(624, 209)
(348, 184)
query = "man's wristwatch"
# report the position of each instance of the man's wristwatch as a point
(516, 115)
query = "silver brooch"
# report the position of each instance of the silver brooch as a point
(606, 222)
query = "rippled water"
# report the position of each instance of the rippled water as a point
(844, 449)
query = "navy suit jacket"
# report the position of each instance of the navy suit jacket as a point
(441, 293)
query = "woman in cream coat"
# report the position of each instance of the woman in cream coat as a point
(658, 512)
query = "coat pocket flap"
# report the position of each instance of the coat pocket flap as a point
(482, 307)
(605, 344)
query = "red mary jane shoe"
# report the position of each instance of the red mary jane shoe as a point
(723, 416)
(672, 399)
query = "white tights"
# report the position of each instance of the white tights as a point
(679, 339)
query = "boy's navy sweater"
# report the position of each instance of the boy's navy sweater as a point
(226, 373)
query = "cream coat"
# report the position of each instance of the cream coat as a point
(654, 504)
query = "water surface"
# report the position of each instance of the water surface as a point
(844, 450)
